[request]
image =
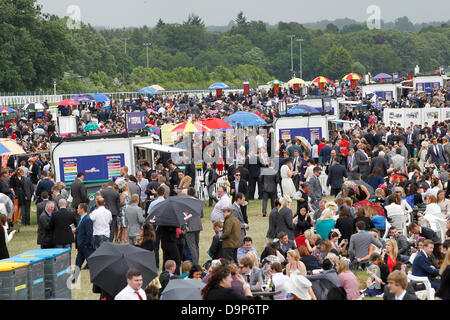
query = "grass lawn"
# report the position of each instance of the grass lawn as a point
(82, 290)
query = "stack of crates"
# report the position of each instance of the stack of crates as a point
(36, 285)
(13, 280)
(56, 271)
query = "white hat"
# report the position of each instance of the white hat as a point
(299, 286)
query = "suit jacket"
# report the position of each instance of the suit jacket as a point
(134, 216)
(40, 207)
(410, 293)
(352, 175)
(289, 246)
(243, 188)
(112, 200)
(238, 214)
(272, 231)
(84, 236)
(379, 162)
(45, 235)
(60, 225)
(323, 282)
(435, 158)
(360, 243)
(428, 233)
(79, 193)
(255, 276)
(421, 266)
(284, 222)
(336, 176)
(270, 180)
(28, 188)
(363, 165)
(403, 245)
(44, 185)
(315, 189)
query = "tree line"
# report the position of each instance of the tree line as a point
(36, 48)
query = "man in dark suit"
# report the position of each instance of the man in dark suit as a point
(169, 272)
(410, 142)
(270, 181)
(325, 153)
(45, 184)
(193, 233)
(254, 169)
(296, 165)
(427, 233)
(60, 225)
(371, 138)
(240, 185)
(437, 153)
(84, 237)
(363, 161)
(422, 267)
(28, 190)
(78, 191)
(379, 162)
(336, 176)
(41, 206)
(352, 167)
(286, 244)
(112, 203)
(174, 180)
(398, 284)
(45, 234)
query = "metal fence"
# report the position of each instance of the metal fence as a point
(20, 99)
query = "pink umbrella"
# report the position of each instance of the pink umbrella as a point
(151, 111)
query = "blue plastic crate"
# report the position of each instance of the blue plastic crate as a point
(36, 284)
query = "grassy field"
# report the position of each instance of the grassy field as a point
(82, 290)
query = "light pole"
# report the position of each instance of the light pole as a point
(292, 59)
(125, 39)
(301, 62)
(147, 44)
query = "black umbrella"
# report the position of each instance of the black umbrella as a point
(176, 211)
(109, 264)
(183, 289)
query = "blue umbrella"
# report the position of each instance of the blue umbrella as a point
(245, 119)
(382, 76)
(148, 90)
(99, 97)
(218, 85)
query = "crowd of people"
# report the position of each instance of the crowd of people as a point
(372, 197)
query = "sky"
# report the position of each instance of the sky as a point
(129, 13)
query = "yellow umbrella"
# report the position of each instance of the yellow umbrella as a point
(189, 126)
(296, 81)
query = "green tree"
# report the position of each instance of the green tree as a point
(332, 28)
(336, 63)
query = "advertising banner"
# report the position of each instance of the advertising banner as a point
(135, 120)
(431, 115)
(98, 167)
(311, 134)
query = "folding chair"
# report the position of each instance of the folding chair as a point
(429, 290)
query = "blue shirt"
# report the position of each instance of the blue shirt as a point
(154, 203)
(82, 217)
(242, 253)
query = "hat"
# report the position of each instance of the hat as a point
(299, 286)
(424, 144)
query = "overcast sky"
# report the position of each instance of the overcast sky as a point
(120, 13)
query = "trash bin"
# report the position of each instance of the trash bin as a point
(13, 280)
(56, 271)
(36, 284)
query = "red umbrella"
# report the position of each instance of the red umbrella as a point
(214, 123)
(68, 102)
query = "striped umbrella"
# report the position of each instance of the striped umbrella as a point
(322, 79)
(6, 110)
(276, 81)
(8, 147)
(189, 126)
(352, 76)
(296, 81)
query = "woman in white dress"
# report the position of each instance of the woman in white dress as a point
(287, 184)
(422, 155)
